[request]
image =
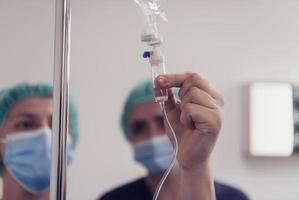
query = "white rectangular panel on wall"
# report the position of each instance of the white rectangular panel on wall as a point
(271, 119)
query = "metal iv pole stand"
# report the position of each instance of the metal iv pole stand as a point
(61, 100)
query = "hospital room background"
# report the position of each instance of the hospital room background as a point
(232, 43)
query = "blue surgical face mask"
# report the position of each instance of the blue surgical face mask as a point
(155, 154)
(28, 159)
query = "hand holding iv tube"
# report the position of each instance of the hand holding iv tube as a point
(200, 122)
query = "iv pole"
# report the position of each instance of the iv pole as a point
(61, 100)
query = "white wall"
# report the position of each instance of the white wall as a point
(230, 42)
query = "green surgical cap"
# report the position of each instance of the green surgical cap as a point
(141, 93)
(11, 96)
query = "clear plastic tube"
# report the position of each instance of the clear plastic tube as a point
(175, 154)
(151, 10)
(160, 94)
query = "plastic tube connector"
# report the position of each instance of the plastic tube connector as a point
(146, 54)
(157, 67)
(154, 57)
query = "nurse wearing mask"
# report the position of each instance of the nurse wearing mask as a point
(25, 141)
(197, 120)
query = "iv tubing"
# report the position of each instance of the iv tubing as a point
(175, 153)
